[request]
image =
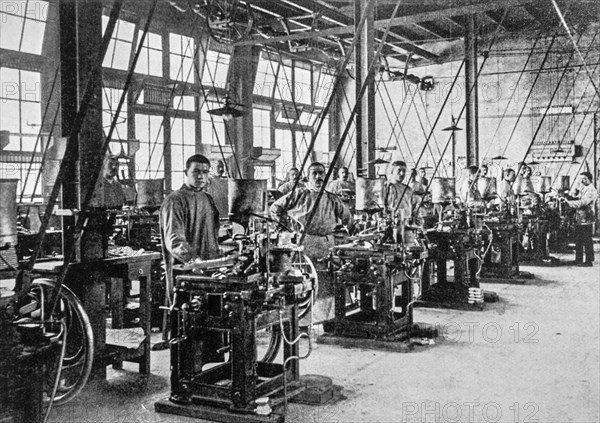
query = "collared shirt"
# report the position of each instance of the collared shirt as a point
(287, 187)
(189, 223)
(399, 199)
(337, 186)
(330, 212)
(585, 205)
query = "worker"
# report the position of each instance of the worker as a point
(423, 177)
(506, 196)
(108, 192)
(292, 177)
(342, 183)
(331, 211)
(469, 192)
(189, 219)
(483, 171)
(584, 220)
(523, 184)
(398, 196)
(220, 169)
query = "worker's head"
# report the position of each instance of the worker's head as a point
(422, 172)
(585, 178)
(110, 167)
(316, 176)
(397, 172)
(509, 175)
(293, 174)
(220, 168)
(483, 171)
(343, 173)
(525, 170)
(197, 168)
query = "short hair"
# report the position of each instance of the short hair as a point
(343, 167)
(196, 158)
(484, 166)
(473, 170)
(293, 168)
(315, 164)
(508, 171)
(587, 175)
(398, 163)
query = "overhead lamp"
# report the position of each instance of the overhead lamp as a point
(558, 150)
(378, 161)
(500, 157)
(533, 163)
(452, 127)
(230, 109)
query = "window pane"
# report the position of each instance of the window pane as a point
(9, 115)
(125, 30)
(33, 37)
(155, 63)
(283, 88)
(302, 86)
(30, 86)
(215, 70)
(31, 117)
(11, 26)
(265, 78)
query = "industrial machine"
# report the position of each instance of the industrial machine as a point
(229, 317)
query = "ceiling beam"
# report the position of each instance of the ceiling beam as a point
(480, 7)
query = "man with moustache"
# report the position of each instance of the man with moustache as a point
(399, 198)
(341, 183)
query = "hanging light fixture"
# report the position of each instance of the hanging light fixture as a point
(378, 161)
(230, 109)
(452, 127)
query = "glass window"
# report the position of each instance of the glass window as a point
(185, 102)
(302, 86)
(110, 102)
(19, 171)
(213, 130)
(183, 145)
(265, 78)
(262, 127)
(20, 108)
(302, 142)
(283, 87)
(181, 57)
(322, 141)
(149, 163)
(22, 25)
(283, 141)
(120, 46)
(264, 172)
(308, 118)
(323, 89)
(150, 60)
(215, 70)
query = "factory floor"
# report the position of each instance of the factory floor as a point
(532, 357)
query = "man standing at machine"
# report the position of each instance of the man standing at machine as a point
(584, 219)
(189, 219)
(469, 191)
(506, 196)
(108, 192)
(293, 175)
(399, 196)
(341, 183)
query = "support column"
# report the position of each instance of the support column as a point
(241, 78)
(472, 135)
(365, 117)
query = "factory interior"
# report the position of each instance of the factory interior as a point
(268, 211)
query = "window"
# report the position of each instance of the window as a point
(20, 108)
(264, 172)
(213, 131)
(302, 86)
(120, 46)
(149, 163)
(185, 102)
(283, 87)
(323, 90)
(262, 127)
(22, 25)
(322, 141)
(150, 60)
(110, 101)
(265, 78)
(183, 145)
(283, 141)
(308, 118)
(302, 142)
(215, 70)
(181, 57)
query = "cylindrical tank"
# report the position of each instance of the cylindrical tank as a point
(150, 192)
(370, 193)
(544, 184)
(218, 188)
(246, 197)
(524, 186)
(8, 212)
(487, 187)
(442, 190)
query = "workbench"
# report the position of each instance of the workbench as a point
(115, 344)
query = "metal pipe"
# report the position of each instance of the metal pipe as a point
(471, 90)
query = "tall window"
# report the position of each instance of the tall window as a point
(181, 57)
(302, 141)
(264, 172)
(22, 25)
(149, 163)
(119, 49)
(215, 70)
(183, 145)
(20, 108)
(213, 131)
(302, 85)
(184, 102)
(322, 141)
(283, 141)
(18, 171)
(110, 102)
(283, 88)
(262, 127)
(265, 77)
(323, 89)
(150, 60)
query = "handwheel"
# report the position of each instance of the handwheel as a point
(79, 350)
(229, 21)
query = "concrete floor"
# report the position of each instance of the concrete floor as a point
(532, 357)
